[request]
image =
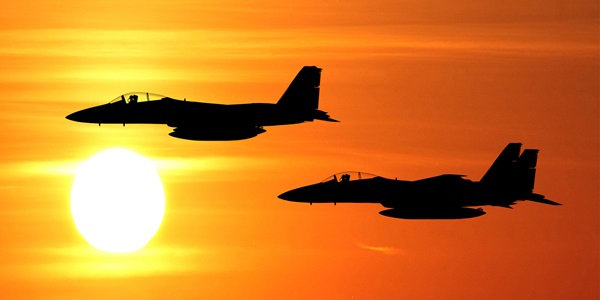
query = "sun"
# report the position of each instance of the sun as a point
(117, 200)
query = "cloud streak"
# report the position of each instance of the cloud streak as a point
(86, 262)
(387, 250)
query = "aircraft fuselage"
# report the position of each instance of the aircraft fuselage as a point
(178, 112)
(394, 193)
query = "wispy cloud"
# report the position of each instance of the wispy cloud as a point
(387, 250)
(152, 54)
(86, 262)
(175, 165)
(171, 167)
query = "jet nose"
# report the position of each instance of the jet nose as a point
(73, 116)
(290, 196)
(88, 115)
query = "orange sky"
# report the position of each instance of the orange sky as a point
(421, 89)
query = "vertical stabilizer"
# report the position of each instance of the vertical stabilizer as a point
(500, 171)
(525, 170)
(303, 92)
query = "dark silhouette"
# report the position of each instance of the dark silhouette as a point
(510, 178)
(214, 122)
(345, 177)
(133, 98)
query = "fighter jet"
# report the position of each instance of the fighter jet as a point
(214, 122)
(510, 178)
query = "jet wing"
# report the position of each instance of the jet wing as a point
(444, 178)
(216, 133)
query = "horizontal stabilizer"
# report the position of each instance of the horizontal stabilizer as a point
(541, 199)
(330, 120)
(545, 201)
(323, 116)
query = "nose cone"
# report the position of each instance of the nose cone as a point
(296, 195)
(303, 194)
(76, 116)
(307, 194)
(94, 114)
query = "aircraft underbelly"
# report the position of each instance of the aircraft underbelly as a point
(229, 115)
(429, 198)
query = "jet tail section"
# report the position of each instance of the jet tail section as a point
(503, 165)
(525, 170)
(514, 174)
(303, 92)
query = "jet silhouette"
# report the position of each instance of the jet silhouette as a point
(214, 122)
(510, 178)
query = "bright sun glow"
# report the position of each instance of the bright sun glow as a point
(117, 200)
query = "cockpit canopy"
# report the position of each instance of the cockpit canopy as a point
(349, 176)
(137, 97)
